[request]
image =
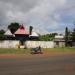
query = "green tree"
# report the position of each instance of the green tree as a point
(66, 36)
(73, 34)
(30, 29)
(47, 37)
(13, 27)
(2, 34)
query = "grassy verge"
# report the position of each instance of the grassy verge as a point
(14, 51)
(63, 49)
(27, 51)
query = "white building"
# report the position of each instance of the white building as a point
(59, 41)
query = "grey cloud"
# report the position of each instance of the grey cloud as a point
(39, 13)
(14, 6)
(23, 5)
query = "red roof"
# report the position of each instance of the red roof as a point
(21, 30)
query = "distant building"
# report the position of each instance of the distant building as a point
(9, 35)
(59, 41)
(34, 35)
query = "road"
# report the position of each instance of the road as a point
(60, 65)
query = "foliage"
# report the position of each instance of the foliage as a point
(30, 29)
(2, 34)
(13, 27)
(73, 35)
(66, 36)
(47, 37)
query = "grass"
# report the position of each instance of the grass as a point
(14, 51)
(27, 51)
(63, 49)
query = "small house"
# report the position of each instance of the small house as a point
(9, 35)
(59, 41)
(34, 36)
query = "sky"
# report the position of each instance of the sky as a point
(46, 16)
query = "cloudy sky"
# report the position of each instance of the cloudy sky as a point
(45, 16)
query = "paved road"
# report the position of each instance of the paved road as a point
(64, 65)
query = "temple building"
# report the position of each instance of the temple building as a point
(21, 35)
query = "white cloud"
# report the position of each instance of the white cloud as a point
(44, 15)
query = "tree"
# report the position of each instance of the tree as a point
(66, 36)
(30, 29)
(13, 27)
(2, 34)
(47, 37)
(73, 35)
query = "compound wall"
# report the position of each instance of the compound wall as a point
(43, 44)
(9, 44)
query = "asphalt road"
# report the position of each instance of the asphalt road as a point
(64, 65)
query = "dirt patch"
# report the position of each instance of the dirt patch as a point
(46, 54)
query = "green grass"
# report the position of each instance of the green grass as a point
(14, 51)
(27, 51)
(63, 49)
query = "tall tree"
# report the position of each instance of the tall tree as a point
(13, 27)
(30, 29)
(73, 34)
(66, 36)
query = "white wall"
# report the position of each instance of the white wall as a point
(9, 44)
(43, 44)
(28, 44)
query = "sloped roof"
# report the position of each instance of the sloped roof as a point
(8, 32)
(59, 36)
(21, 30)
(34, 34)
